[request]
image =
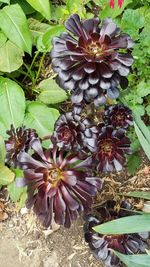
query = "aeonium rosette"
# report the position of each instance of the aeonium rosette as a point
(59, 183)
(92, 59)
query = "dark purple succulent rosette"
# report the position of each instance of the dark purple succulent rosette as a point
(74, 133)
(19, 140)
(59, 184)
(102, 245)
(92, 59)
(118, 116)
(112, 146)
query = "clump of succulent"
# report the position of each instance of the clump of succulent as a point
(72, 132)
(118, 116)
(112, 145)
(102, 245)
(88, 59)
(59, 183)
(19, 140)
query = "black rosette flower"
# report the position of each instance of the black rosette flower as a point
(102, 245)
(112, 145)
(118, 116)
(72, 132)
(19, 140)
(91, 59)
(58, 183)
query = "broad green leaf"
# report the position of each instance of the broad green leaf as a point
(131, 22)
(51, 93)
(6, 175)
(3, 39)
(27, 9)
(143, 141)
(2, 150)
(133, 163)
(41, 118)
(138, 194)
(142, 260)
(10, 57)
(126, 225)
(42, 6)
(14, 24)
(12, 105)
(48, 36)
(14, 191)
(113, 13)
(5, 1)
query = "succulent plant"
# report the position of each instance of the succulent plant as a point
(59, 184)
(19, 140)
(72, 132)
(88, 59)
(102, 245)
(112, 145)
(118, 116)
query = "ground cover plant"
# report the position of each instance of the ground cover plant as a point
(75, 105)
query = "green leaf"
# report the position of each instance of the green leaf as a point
(143, 88)
(47, 37)
(126, 225)
(2, 150)
(22, 200)
(51, 93)
(5, 1)
(133, 163)
(3, 39)
(143, 127)
(131, 22)
(14, 24)
(6, 175)
(41, 118)
(14, 191)
(12, 107)
(144, 141)
(113, 13)
(148, 110)
(138, 194)
(11, 57)
(42, 6)
(27, 9)
(142, 260)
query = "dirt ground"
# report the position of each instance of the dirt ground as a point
(24, 243)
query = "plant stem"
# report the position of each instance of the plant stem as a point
(29, 72)
(32, 63)
(39, 69)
